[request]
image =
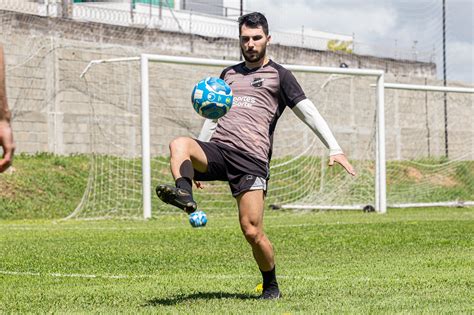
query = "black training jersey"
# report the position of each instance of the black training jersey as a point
(260, 96)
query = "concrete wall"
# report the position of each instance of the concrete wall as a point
(56, 111)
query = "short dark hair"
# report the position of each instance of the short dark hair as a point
(254, 20)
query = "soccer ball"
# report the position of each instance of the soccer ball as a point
(198, 219)
(212, 98)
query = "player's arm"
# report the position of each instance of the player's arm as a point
(6, 136)
(4, 112)
(207, 130)
(309, 114)
(210, 125)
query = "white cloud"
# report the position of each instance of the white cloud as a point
(392, 26)
(359, 19)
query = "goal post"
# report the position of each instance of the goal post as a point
(121, 68)
(146, 154)
(423, 158)
(145, 102)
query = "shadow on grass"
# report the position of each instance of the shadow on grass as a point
(199, 296)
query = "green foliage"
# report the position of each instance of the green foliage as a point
(49, 186)
(407, 261)
(420, 181)
(43, 186)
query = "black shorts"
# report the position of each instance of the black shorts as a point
(225, 163)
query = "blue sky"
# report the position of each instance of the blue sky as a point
(388, 24)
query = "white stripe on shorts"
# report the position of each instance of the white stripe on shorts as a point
(260, 183)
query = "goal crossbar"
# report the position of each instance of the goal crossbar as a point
(426, 88)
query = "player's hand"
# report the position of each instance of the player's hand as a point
(6, 142)
(198, 184)
(342, 160)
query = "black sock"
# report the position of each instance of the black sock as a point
(185, 183)
(269, 278)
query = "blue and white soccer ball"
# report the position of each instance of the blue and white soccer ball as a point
(198, 219)
(212, 98)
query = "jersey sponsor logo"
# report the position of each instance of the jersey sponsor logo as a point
(257, 82)
(244, 101)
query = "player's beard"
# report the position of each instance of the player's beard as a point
(251, 56)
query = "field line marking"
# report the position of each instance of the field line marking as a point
(68, 275)
(94, 276)
(204, 276)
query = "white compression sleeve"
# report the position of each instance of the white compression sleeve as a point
(207, 130)
(309, 114)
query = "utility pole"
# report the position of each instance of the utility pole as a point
(65, 5)
(241, 13)
(444, 82)
(151, 9)
(161, 9)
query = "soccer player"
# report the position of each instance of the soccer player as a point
(6, 135)
(237, 147)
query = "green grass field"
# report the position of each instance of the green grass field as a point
(407, 261)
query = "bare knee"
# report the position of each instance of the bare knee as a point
(253, 234)
(179, 146)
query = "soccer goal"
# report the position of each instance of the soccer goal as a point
(139, 104)
(430, 145)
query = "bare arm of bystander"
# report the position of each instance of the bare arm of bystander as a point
(6, 134)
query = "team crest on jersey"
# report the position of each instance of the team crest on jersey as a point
(257, 82)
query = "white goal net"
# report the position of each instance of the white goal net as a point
(430, 145)
(299, 172)
(418, 172)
